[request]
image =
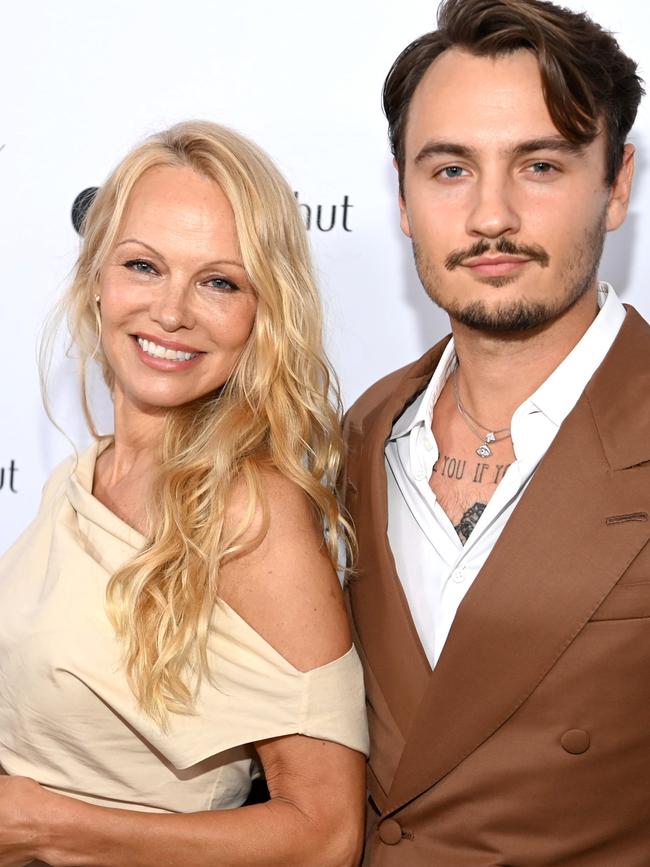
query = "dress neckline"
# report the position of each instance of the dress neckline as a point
(80, 497)
(82, 500)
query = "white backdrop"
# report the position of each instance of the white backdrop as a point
(81, 82)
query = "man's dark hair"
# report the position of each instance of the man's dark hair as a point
(586, 78)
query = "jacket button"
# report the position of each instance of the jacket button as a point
(575, 741)
(390, 832)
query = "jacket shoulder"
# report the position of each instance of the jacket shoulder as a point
(375, 395)
(384, 388)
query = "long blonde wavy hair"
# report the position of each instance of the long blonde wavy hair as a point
(279, 407)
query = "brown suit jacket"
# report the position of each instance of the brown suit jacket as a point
(529, 743)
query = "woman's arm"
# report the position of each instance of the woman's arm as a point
(287, 591)
(314, 818)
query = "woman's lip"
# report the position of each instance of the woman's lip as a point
(162, 341)
(496, 267)
(165, 364)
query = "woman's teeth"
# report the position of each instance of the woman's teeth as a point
(157, 351)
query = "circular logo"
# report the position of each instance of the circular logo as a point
(80, 207)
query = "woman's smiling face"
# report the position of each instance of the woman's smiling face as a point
(176, 305)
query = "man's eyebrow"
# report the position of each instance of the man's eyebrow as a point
(433, 148)
(546, 143)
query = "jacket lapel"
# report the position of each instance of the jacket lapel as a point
(380, 611)
(553, 565)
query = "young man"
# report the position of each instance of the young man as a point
(500, 485)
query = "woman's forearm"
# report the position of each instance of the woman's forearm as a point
(73, 833)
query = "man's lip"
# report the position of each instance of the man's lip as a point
(496, 260)
(163, 341)
(495, 266)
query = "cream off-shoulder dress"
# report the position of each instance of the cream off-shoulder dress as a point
(67, 715)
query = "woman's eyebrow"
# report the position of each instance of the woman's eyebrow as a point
(216, 261)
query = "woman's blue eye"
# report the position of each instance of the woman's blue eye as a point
(221, 283)
(140, 266)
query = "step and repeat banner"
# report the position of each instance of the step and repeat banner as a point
(83, 82)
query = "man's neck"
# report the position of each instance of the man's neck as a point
(497, 372)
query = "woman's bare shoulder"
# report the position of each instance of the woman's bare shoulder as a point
(286, 588)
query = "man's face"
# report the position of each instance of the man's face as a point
(507, 218)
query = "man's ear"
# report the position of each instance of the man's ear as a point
(403, 214)
(619, 195)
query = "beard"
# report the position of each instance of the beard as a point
(519, 315)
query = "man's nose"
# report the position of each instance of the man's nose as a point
(493, 212)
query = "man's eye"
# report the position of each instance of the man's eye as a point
(541, 168)
(140, 266)
(451, 172)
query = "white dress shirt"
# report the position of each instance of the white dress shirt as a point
(435, 568)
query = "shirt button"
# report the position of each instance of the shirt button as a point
(420, 475)
(428, 442)
(458, 576)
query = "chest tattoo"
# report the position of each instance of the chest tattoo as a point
(461, 470)
(469, 520)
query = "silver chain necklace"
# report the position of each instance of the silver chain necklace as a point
(491, 436)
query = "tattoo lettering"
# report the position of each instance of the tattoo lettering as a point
(453, 468)
(469, 521)
(479, 471)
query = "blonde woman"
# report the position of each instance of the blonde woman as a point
(173, 614)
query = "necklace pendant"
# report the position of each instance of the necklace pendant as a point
(484, 451)
(490, 438)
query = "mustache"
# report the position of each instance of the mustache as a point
(504, 246)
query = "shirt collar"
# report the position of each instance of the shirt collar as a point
(559, 393)
(420, 412)
(556, 396)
